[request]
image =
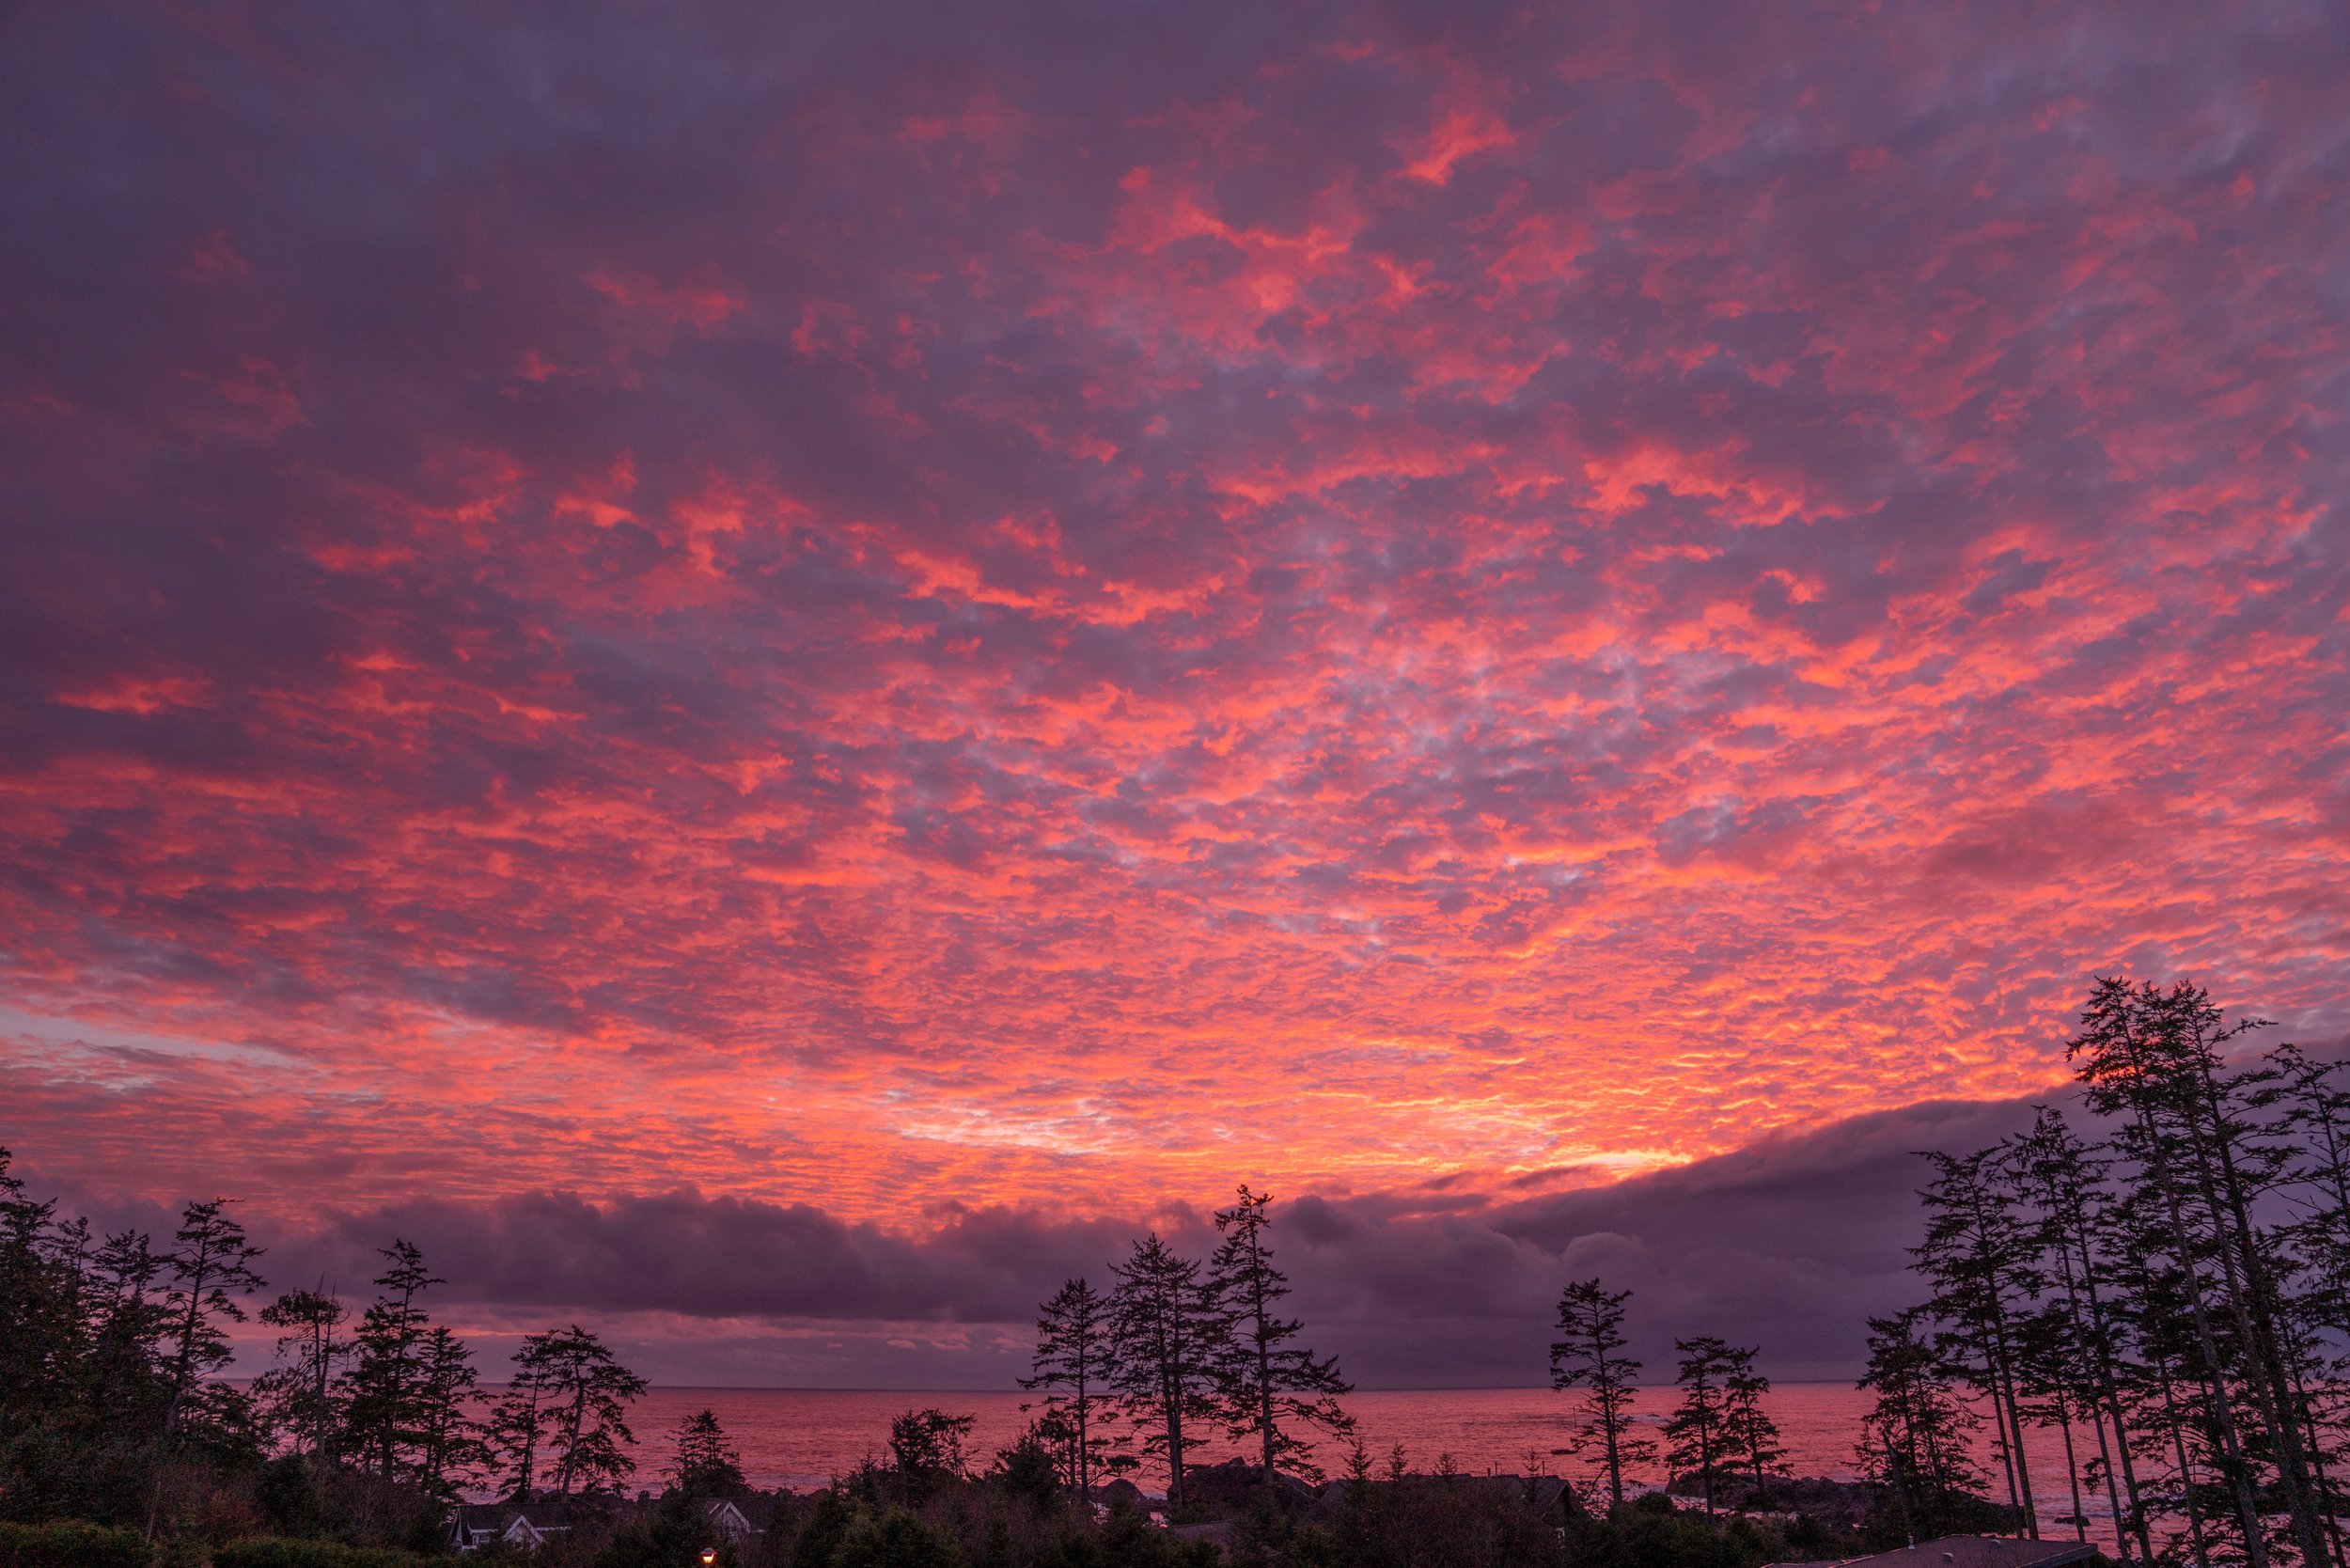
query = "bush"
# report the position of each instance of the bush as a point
(671, 1537)
(896, 1540)
(270, 1551)
(288, 1496)
(72, 1546)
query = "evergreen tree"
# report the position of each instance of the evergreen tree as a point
(586, 1392)
(925, 1452)
(1978, 1254)
(298, 1391)
(2049, 1364)
(1752, 1436)
(517, 1429)
(2065, 1179)
(384, 1395)
(1696, 1434)
(2154, 1060)
(1171, 1341)
(704, 1462)
(1918, 1435)
(1072, 1361)
(123, 1385)
(1266, 1380)
(44, 1344)
(2315, 1118)
(1589, 1355)
(210, 1258)
(450, 1446)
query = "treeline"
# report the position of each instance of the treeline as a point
(2167, 1300)
(112, 1409)
(1177, 1351)
(1718, 1434)
(929, 1504)
(2161, 1294)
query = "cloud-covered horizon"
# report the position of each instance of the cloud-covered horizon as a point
(1790, 1245)
(1032, 605)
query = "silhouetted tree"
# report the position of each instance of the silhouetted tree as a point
(1589, 1355)
(705, 1463)
(2154, 1058)
(44, 1341)
(299, 1387)
(1752, 1436)
(1696, 1431)
(2063, 1178)
(1171, 1341)
(121, 1383)
(1072, 1361)
(1978, 1254)
(925, 1452)
(450, 1443)
(2315, 1118)
(1267, 1381)
(383, 1404)
(1918, 1432)
(210, 1258)
(586, 1392)
(517, 1429)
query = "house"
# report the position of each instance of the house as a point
(1973, 1551)
(728, 1521)
(533, 1524)
(474, 1526)
(524, 1527)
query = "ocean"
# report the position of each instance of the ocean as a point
(803, 1437)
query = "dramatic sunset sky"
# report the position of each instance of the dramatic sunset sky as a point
(772, 670)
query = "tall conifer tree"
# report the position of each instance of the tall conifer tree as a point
(1589, 1355)
(1173, 1341)
(1270, 1384)
(587, 1394)
(384, 1406)
(1072, 1362)
(1754, 1442)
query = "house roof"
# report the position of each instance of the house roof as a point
(1974, 1551)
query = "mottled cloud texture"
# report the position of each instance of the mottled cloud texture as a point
(1046, 607)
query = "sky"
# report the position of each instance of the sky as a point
(883, 646)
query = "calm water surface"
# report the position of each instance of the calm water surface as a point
(804, 1437)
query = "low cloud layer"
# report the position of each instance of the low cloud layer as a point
(1790, 1245)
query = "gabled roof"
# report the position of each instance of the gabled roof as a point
(1974, 1551)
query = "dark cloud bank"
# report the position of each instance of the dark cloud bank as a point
(1789, 1244)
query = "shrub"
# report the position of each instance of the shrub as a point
(896, 1540)
(72, 1546)
(270, 1551)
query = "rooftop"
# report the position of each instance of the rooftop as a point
(1973, 1551)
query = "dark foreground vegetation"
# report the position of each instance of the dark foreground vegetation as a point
(2166, 1294)
(1018, 1515)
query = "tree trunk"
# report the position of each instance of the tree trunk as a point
(2186, 1474)
(2072, 1472)
(2250, 1294)
(2207, 1344)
